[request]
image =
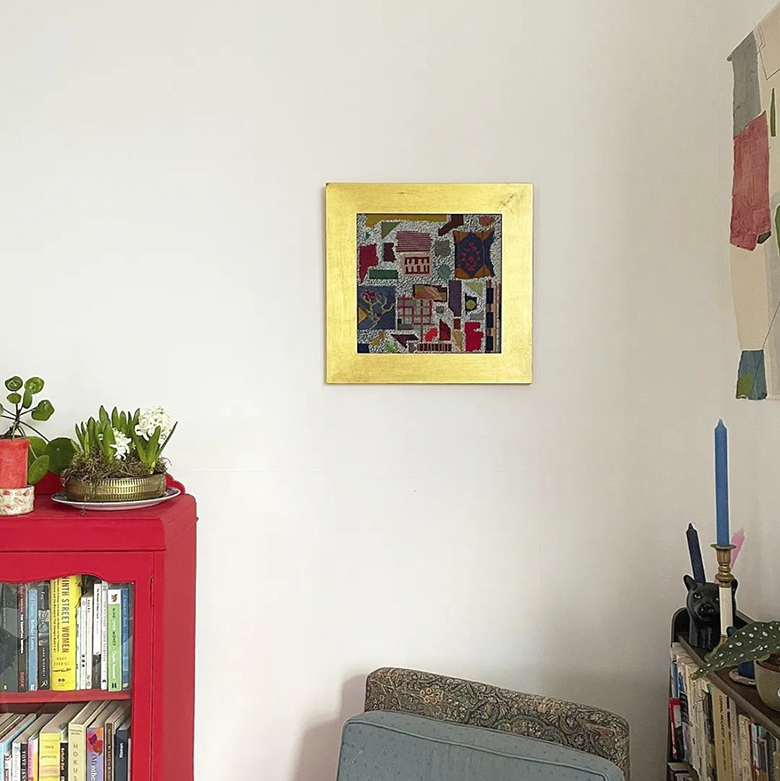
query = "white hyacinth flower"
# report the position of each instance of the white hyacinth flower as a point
(150, 420)
(121, 445)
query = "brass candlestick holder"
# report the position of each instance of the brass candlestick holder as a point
(726, 584)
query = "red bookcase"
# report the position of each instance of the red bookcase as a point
(153, 551)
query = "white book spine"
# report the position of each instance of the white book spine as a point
(16, 762)
(88, 621)
(83, 647)
(79, 641)
(104, 637)
(96, 625)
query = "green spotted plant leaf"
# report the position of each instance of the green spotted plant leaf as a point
(753, 643)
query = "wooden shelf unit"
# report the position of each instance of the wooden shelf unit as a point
(745, 697)
(154, 550)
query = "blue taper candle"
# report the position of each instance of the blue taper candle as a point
(722, 483)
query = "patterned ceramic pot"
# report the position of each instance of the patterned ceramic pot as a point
(17, 501)
(119, 489)
(768, 684)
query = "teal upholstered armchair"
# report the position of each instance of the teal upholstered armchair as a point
(424, 727)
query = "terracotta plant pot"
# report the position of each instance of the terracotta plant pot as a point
(768, 683)
(118, 489)
(13, 463)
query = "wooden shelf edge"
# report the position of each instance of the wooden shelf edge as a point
(84, 695)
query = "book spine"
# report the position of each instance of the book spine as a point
(79, 642)
(23, 761)
(64, 760)
(9, 598)
(674, 705)
(77, 768)
(49, 756)
(44, 617)
(744, 748)
(65, 597)
(95, 754)
(32, 759)
(722, 741)
(125, 638)
(683, 689)
(756, 757)
(104, 637)
(733, 724)
(16, 767)
(87, 646)
(114, 640)
(763, 764)
(97, 622)
(121, 755)
(22, 637)
(108, 752)
(32, 638)
(709, 729)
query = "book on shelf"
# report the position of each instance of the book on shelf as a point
(19, 764)
(122, 752)
(32, 637)
(718, 740)
(125, 622)
(113, 723)
(66, 635)
(22, 596)
(44, 640)
(51, 737)
(115, 639)
(9, 637)
(65, 599)
(104, 636)
(67, 745)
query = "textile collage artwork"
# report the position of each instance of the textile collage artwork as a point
(755, 210)
(428, 283)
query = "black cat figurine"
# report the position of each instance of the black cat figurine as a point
(703, 606)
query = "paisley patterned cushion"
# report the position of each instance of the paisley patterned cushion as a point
(477, 704)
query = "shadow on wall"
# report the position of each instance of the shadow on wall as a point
(319, 750)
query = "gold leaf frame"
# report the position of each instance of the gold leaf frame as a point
(514, 202)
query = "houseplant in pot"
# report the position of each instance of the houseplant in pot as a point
(757, 642)
(24, 457)
(118, 456)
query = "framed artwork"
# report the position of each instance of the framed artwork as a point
(429, 283)
(754, 234)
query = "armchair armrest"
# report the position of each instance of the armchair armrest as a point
(455, 700)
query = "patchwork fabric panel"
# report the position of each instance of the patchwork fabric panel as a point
(428, 283)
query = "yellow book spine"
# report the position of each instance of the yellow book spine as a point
(49, 756)
(65, 598)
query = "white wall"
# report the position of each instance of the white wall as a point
(161, 209)
(739, 18)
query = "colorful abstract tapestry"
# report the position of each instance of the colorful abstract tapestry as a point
(428, 283)
(755, 211)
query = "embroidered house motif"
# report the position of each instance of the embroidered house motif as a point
(428, 283)
(415, 250)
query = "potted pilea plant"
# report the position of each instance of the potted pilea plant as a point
(118, 456)
(25, 458)
(757, 642)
